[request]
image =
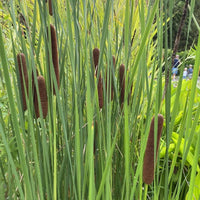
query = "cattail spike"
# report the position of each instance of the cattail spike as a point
(21, 60)
(100, 92)
(54, 50)
(122, 83)
(50, 8)
(148, 165)
(43, 97)
(96, 53)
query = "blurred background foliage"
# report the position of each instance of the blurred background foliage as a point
(194, 32)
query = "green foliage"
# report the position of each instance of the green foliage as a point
(194, 32)
(196, 192)
(80, 151)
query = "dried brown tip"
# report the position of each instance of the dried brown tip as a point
(21, 60)
(96, 53)
(55, 55)
(100, 92)
(122, 83)
(43, 98)
(148, 165)
(50, 8)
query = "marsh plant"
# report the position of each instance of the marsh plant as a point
(87, 106)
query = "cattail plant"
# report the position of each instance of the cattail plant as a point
(96, 53)
(54, 50)
(23, 74)
(122, 83)
(108, 79)
(148, 165)
(43, 98)
(50, 7)
(100, 91)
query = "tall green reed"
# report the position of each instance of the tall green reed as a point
(55, 156)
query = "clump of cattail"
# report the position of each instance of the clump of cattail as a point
(50, 7)
(108, 79)
(122, 83)
(43, 98)
(96, 53)
(21, 60)
(148, 165)
(54, 50)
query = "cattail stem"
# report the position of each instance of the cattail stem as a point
(43, 98)
(23, 74)
(112, 86)
(54, 50)
(108, 80)
(148, 164)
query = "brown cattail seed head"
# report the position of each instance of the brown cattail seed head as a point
(100, 92)
(21, 60)
(43, 98)
(54, 50)
(96, 53)
(50, 8)
(122, 83)
(148, 165)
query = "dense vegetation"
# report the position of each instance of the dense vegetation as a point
(193, 34)
(84, 99)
